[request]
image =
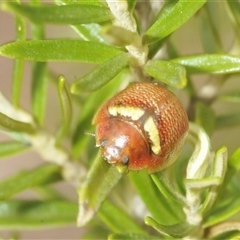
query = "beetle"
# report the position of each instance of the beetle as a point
(142, 127)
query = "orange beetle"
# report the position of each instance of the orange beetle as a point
(143, 126)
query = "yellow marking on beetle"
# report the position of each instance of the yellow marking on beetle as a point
(151, 128)
(131, 112)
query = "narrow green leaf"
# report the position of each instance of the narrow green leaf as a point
(66, 107)
(153, 199)
(230, 97)
(89, 32)
(234, 160)
(117, 220)
(92, 2)
(219, 172)
(89, 108)
(223, 212)
(176, 231)
(200, 156)
(234, 8)
(59, 50)
(225, 230)
(11, 148)
(210, 63)
(168, 72)
(28, 179)
(39, 91)
(17, 81)
(229, 120)
(96, 231)
(235, 236)
(132, 236)
(14, 125)
(20, 28)
(39, 75)
(101, 178)
(101, 75)
(131, 5)
(205, 117)
(167, 189)
(210, 38)
(171, 17)
(25, 215)
(65, 14)
(18, 68)
(48, 192)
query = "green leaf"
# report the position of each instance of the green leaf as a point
(171, 17)
(209, 30)
(14, 125)
(13, 147)
(218, 172)
(28, 179)
(176, 231)
(91, 104)
(101, 75)
(59, 50)
(89, 32)
(131, 5)
(223, 212)
(39, 91)
(18, 64)
(210, 63)
(65, 14)
(39, 76)
(234, 8)
(92, 2)
(17, 81)
(230, 97)
(66, 107)
(100, 180)
(235, 236)
(229, 120)
(225, 230)
(153, 199)
(96, 231)
(167, 189)
(205, 117)
(234, 160)
(132, 236)
(25, 215)
(117, 220)
(170, 73)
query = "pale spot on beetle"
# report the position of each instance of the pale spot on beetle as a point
(131, 112)
(151, 128)
(121, 141)
(111, 154)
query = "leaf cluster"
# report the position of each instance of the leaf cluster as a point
(135, 41)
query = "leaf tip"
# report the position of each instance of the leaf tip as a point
(74, 89)
(4, 6)
(61, 82)
(85, 214)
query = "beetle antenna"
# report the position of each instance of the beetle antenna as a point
(90, 134)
